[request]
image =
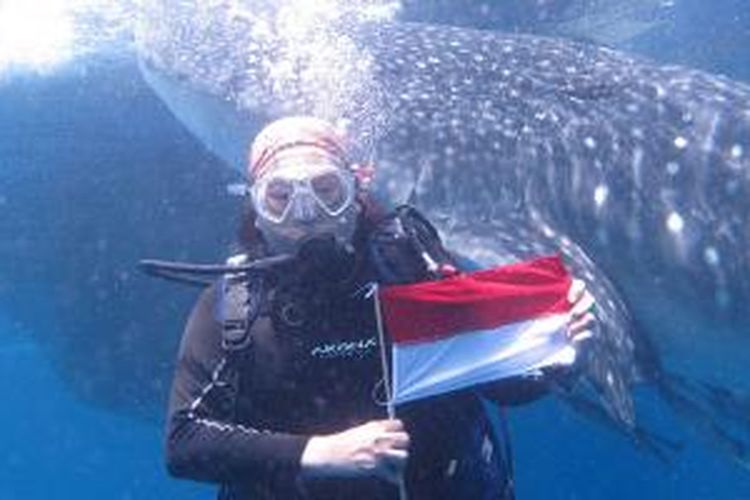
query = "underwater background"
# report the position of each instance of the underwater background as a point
(95, 173)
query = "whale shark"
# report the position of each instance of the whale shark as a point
(610, 22)
(516, 145)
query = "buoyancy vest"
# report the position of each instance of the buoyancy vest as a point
(403, 248)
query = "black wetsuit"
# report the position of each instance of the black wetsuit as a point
(243, 420)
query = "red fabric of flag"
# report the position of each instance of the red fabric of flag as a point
(479, 300)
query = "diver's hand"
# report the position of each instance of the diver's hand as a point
(378, 448)
(582, 318)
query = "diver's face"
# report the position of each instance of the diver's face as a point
(296, 202)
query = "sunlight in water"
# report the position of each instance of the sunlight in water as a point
(35, 35)
(42, 35)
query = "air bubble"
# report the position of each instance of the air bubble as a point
(680, 142)
(711, 256)
(675, 222)
(600, 194)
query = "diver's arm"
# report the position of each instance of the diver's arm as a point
(202, 441)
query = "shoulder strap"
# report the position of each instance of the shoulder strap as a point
(426, 239)
(406, 248)
(240, 302)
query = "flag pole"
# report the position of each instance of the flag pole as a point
(383, 354)
(386, 379)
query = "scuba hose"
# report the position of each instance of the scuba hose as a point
(203, 275)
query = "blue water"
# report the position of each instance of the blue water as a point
(94, 174)
(560, 456)
(55, 447)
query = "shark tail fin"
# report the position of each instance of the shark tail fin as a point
(718, 414)
(592, 407)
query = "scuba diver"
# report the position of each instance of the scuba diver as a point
(278, 390)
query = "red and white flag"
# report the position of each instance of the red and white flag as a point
(477, 327)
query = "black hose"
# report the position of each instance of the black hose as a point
(204, 274)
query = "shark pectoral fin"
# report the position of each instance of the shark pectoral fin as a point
(217, 123)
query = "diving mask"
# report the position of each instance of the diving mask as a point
(297, 191)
